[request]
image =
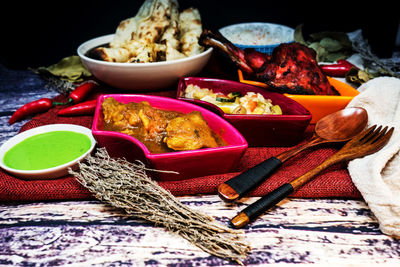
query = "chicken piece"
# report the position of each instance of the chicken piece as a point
(132, 118)
(139, 120)
(189, 132)
(159, 130)
(122, 116)
(154, 122)
(292, 68)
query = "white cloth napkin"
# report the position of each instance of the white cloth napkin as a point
(377, 176)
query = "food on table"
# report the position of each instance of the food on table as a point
(258, 34)
(31, 108)
(189, 132)
(81, 92)
(158, 32)
(292, 68)
(47, 150)
(235, 102)
(159, 130)
(84, 108)
(44, 104)
(338, 69)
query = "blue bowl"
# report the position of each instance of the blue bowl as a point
(266, 49)
(263, 37)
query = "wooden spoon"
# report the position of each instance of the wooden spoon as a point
(365, 143)
(339, 126)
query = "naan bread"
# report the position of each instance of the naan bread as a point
(113, 54)
(190, 27)
(158, 32)
(125, 29)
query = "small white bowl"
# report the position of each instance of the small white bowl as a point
(48, 173)
(263, 37)
(140, 76)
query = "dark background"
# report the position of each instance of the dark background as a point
(36, 34)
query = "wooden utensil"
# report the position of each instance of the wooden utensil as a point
(339, 126)
(365, 143)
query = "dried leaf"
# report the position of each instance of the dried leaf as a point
(358, 77)
(329, 46)
(298, 35)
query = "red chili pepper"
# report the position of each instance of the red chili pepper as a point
(81, 92)
(44, 104)
(84, 108)
(31, 108)
(339, 69)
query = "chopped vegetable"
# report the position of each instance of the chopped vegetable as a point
(225, 99)
(234, 102)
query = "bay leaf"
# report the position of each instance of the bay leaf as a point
(331, 45)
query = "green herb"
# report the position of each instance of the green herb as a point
(224, 99)
(329, 46)
(234, 94)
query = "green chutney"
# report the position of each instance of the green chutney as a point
(47, 150)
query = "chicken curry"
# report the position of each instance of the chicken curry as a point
(159, 130)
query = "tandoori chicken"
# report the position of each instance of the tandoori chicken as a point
(291, 68)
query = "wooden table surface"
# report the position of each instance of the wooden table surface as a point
(337, 232)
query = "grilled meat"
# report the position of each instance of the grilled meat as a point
(292, 68)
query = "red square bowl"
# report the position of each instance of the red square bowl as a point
(188, 164)
(259, 130)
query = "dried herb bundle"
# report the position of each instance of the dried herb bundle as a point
(126, 185)
(374, 65)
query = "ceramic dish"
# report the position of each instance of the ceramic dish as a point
(318, 105)
(140, 76)
(188, 164)
(263, 37)
(61, 147)
(259, 130)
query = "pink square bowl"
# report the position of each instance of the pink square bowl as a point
(259, 130)
(188, 164)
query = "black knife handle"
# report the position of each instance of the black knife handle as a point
(241, 184)
(260, 206)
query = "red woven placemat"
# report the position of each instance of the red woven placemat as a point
(334, 182)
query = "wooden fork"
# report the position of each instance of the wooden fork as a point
(365, 143)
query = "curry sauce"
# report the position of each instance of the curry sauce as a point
(159, 130)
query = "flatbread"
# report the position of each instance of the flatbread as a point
(158, 32)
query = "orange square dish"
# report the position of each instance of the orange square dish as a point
(318, 105)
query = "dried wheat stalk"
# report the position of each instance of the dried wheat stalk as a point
(126, 185)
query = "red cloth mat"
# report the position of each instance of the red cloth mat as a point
(334, 182)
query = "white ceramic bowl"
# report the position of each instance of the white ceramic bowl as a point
(140, 76)
(48, 173)
(263, 37)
